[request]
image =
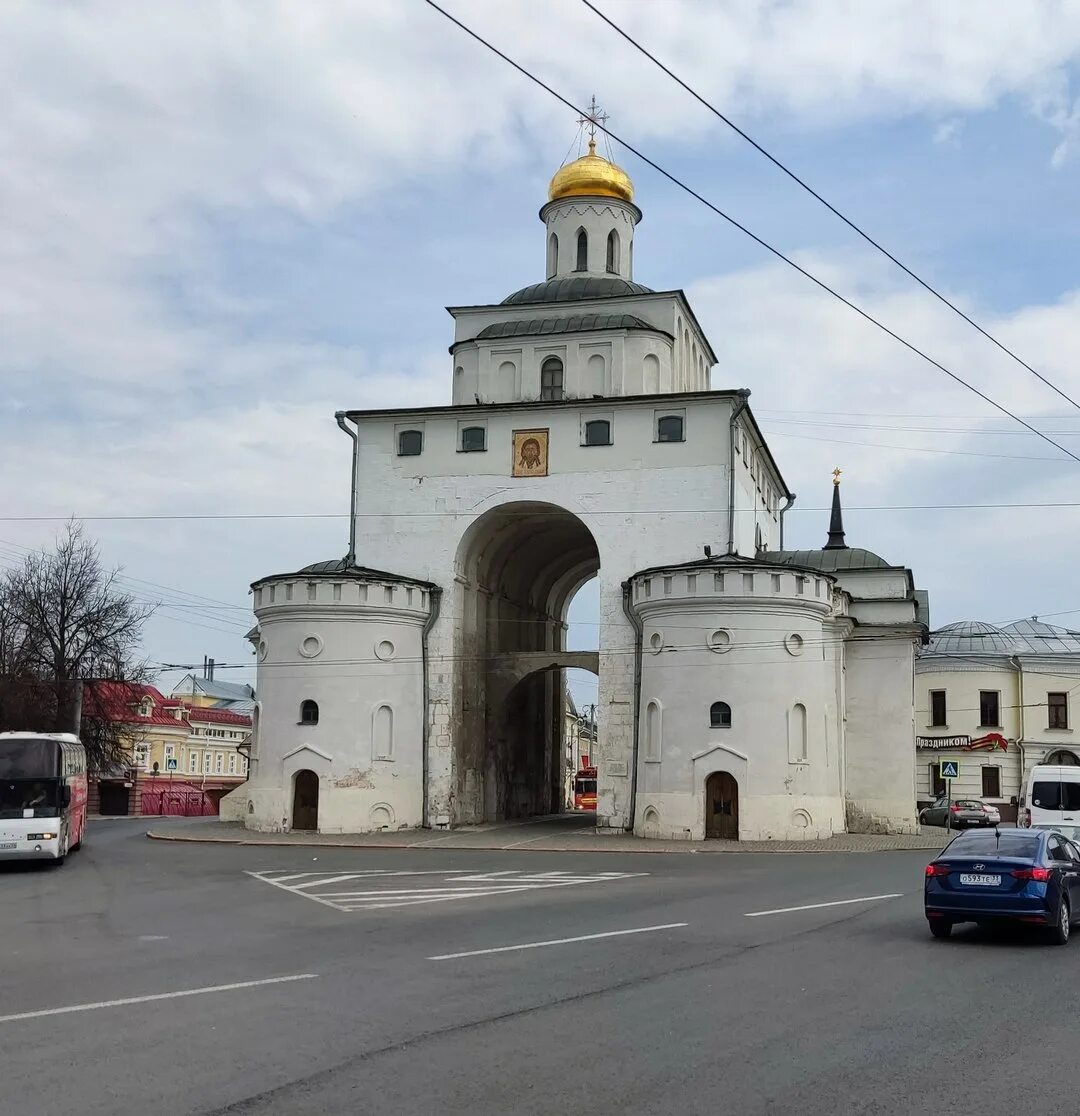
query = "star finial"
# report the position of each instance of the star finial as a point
(593, 117)
(836, 475)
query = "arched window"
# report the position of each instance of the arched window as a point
(309, 712)
(473, 439)
(410, 443)
(382, 732)
(582, 251)
(797, 734)
(553, 256)
(653, 730)
(669, 429)
(720, 715)
(1061, 758)
(598, 433)
(613, 252)
(551, 379)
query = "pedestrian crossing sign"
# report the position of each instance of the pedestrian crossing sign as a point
(950, 769)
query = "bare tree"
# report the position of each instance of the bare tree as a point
(64, 619)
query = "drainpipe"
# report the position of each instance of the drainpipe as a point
(637, 625)
(351, 558)
(785, 508)
(1021, 790)
(744, 402)
(435, 600)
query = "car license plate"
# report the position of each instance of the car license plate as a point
(975, 880)
(9, 845)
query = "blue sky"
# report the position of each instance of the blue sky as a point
(225, 221)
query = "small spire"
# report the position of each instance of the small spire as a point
(836, 520)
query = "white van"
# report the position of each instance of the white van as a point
(1052, 798)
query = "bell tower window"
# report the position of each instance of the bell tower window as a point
(551, 379)
(553, 256)
(582, 251)
(613, 252)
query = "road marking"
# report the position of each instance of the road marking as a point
(815, 906)
(558, 941)
(159, 996)
(377, 889)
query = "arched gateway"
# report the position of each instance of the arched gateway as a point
(518, 566)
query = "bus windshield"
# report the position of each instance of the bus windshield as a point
(29, 758)
(29, 798)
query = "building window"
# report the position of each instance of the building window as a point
(142, 756)
(797, 752)
(206, 763)
(613, 252)
(669, 429)
(989, 714)
(991, 782)
(551, 379)
(410, 443)
(598, 433)
(243, 765)
(1058, 710)
(553, 256)
(219, 763)
(309, 712)
(937, 709)
(582, 251)
(383, 732)
(937, 783)
(720, 715)
(232, 763)
(473, 439)
(193, 763)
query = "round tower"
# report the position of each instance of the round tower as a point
(338, 738)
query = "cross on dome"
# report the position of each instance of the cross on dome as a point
(594, 117)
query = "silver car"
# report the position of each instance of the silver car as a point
(960, 813)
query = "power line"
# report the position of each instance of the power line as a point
(828, 205)
(866, 315)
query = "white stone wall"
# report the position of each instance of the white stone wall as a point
(753, 637)
(353, 647)
(880, 733)
(597, 217)
(503, 370)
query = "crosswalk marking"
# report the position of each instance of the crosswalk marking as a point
(383, 889)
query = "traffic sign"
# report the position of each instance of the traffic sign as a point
(170, 764)
(950, 769)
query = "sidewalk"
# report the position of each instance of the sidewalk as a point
(570, 833)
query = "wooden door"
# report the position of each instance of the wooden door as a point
(722, 806)
(305, 813)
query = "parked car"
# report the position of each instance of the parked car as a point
(962, 813)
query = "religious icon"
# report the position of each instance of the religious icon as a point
(530, 453)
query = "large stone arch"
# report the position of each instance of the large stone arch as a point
(518, 567)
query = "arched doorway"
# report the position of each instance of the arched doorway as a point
(722, 806)
(518, 567)
(305, 810)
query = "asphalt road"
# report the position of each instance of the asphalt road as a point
(847, 1008)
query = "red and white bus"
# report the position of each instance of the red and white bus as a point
(585, 789)
(42, 795)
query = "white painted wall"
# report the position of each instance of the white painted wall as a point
(352, 646)
(597, 217)
(751, 636)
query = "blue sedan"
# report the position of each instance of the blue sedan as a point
(1005, 875)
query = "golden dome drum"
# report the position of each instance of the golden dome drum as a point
(591, 176)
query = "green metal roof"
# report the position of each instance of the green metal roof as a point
(578, 323)
(575, 288)
(828, 561)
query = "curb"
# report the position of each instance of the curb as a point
(521, 847)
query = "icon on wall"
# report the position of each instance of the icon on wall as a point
(530, 453)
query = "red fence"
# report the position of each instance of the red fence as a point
(184, 801)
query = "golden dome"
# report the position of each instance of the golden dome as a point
(591, 176)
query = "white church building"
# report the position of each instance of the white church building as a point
(744, 691)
